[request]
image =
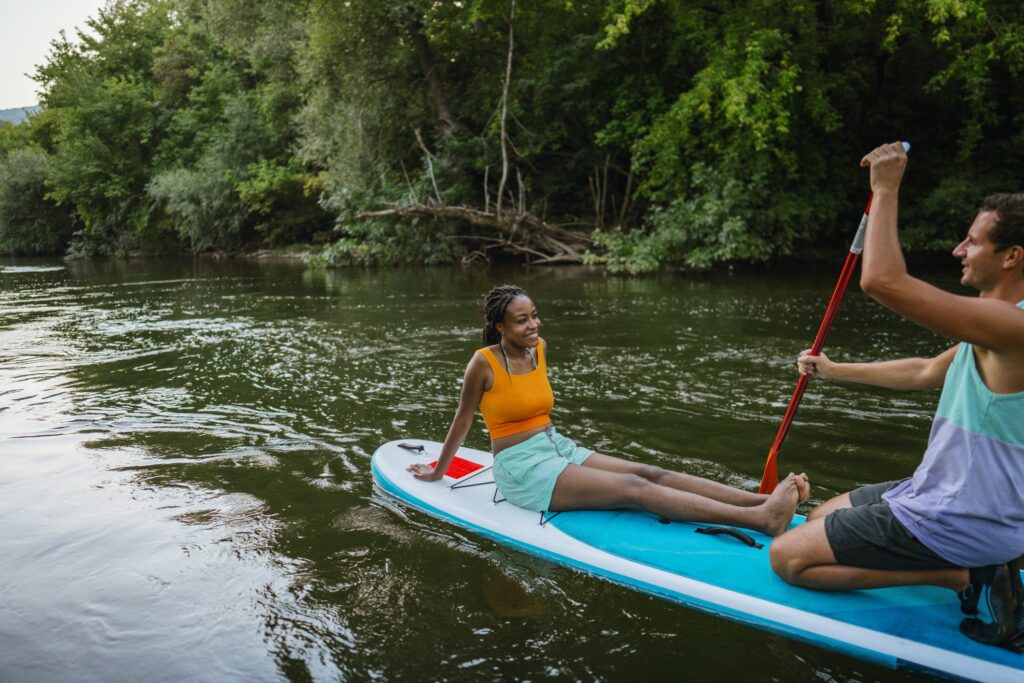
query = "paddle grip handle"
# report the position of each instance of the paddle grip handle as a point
(858, 240)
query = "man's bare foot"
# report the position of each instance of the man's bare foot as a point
(780, 506)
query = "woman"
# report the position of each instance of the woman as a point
(537, 468)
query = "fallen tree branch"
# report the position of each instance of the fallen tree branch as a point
(520, 233)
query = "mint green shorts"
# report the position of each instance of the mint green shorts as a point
(526, 473)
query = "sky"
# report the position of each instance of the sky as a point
(26, 29)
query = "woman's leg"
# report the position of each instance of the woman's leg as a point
(590, 488)
(687, 482)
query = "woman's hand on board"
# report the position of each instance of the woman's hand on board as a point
(424, 472)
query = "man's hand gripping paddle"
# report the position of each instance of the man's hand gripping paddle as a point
(770, 478)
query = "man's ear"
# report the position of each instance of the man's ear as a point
(1014, 257)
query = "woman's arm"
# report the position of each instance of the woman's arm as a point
(474, 383)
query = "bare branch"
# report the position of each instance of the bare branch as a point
(430, 165)
(487, 190)
(625, 196)
(504, 107)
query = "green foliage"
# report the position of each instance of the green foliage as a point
(282, 197)
(377, 242)
(741, 165)
(105, 122)
(13, 137)
(201, 198)
(101, 165)
(731, 217)
(231, 178)
(201, 204)
(732, 166)
(682, 134)
(620, 23)
(29, 223)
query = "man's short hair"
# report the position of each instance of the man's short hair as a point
(1008, 229)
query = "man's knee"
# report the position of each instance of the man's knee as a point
(799, 549)
(784, 556)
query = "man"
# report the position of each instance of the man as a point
(958, 522)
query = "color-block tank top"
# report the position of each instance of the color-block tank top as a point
(516, 403)
(966, 499)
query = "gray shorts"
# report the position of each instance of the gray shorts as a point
(867, 535)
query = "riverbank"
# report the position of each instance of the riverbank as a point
(313, 256)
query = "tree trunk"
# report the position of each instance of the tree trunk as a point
(425, 57)
(504, 110)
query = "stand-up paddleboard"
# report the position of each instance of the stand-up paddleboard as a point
(912, 628)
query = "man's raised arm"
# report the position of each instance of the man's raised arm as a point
(988, 321)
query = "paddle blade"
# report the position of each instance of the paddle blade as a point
(770, 478)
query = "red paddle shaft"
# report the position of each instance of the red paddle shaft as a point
(770, 478)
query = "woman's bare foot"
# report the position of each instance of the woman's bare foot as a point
(780, 506)
(803, 485)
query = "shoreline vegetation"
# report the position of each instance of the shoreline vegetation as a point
(635, 135)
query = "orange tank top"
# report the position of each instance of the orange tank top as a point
(516, 403)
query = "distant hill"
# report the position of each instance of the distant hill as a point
(18, 114)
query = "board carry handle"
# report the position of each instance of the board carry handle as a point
(729, 531)
(412, 447)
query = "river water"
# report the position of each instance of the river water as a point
(185, 490)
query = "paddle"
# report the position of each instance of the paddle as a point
(770, 478)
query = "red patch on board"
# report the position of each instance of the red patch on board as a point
(460, 467)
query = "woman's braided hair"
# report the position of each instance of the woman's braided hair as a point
(495, 304)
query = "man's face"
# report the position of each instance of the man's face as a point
(978, 255)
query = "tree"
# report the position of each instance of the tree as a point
(29, 223)
(635, 133)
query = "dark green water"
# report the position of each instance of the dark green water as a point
(184, 467)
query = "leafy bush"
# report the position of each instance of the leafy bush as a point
(374, 242)
(30, 223)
